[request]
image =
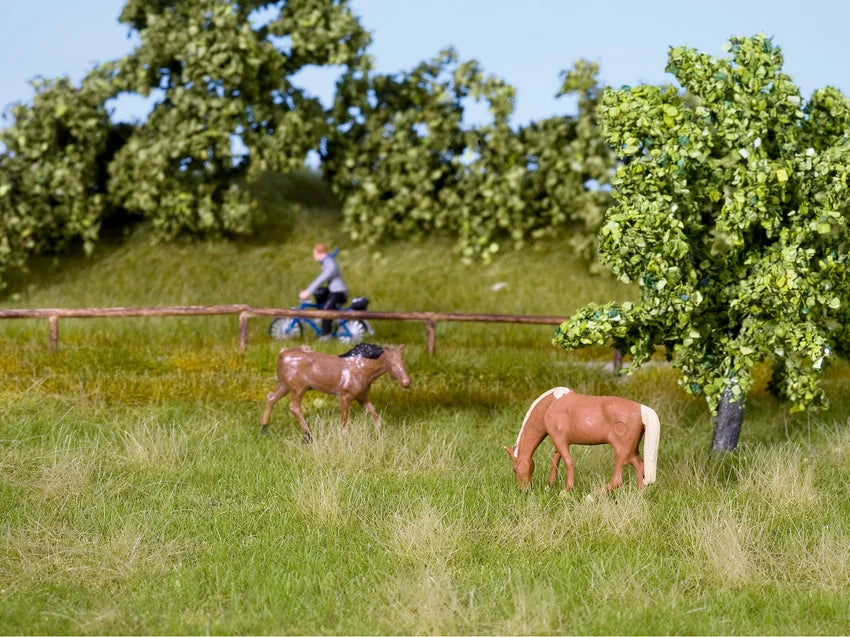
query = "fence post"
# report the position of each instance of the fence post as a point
(53, 323)
(431, 331)
(243, 331)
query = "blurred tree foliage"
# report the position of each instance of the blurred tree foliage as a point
(226, 114)
(225, 111)
(404, 163)
(228, 109)
(53, 180)
(730, 212)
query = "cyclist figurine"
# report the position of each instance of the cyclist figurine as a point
(329, 287)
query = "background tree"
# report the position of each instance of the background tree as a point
(226, 111)
(390, 148)
(52, 169)
(544, 179)
(227, 108)
(731, 214)
(405, 163)
(395, 147)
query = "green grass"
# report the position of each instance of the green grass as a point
(138, 496)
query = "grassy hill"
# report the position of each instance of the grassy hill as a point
(138, 496)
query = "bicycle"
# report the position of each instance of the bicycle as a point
(349, 331)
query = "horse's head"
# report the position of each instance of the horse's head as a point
(523, 468)
(395, 365)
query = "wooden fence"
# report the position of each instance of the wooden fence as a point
(246, 312)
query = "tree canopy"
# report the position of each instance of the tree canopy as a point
(225, 110)
(730, 212)
(53, 177)
(406, 163)
(227, 107)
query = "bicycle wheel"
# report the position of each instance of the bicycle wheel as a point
(354, 332)
(283, 328)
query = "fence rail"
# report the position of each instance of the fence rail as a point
(246, 312)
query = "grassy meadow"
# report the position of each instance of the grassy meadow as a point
(138, 496)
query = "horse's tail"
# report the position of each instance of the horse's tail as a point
(651, 436)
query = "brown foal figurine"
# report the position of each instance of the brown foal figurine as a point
(571, 418)
(348, 376)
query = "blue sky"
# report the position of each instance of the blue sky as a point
(528, 43)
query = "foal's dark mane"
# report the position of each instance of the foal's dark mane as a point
(364, 350)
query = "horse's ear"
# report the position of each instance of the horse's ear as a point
(400, 347)
(510, 451)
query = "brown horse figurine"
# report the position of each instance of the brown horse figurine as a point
(570, 418)
(348, 376)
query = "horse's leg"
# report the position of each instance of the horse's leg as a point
(621, 458)
(370, 409)
(563, 448)
(344, 403)
(553, 469)
(280, 391)
(295, 408)
(570, 465)
(637, 462)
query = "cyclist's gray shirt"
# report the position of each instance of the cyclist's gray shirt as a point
(331, 275)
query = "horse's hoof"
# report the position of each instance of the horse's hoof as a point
(308, 439)
(264, 430)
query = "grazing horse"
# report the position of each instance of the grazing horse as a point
(571, 418)
(349, 376)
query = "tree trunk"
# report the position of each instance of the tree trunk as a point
(727, 423)
(617, 363)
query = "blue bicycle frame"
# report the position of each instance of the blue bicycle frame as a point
(346, 330)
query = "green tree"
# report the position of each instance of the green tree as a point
(534, 182)
(730, 213)
(226, 110)
(404, 163)
(52, 169)
(391, 149)
(589, 157)
(226, 104)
